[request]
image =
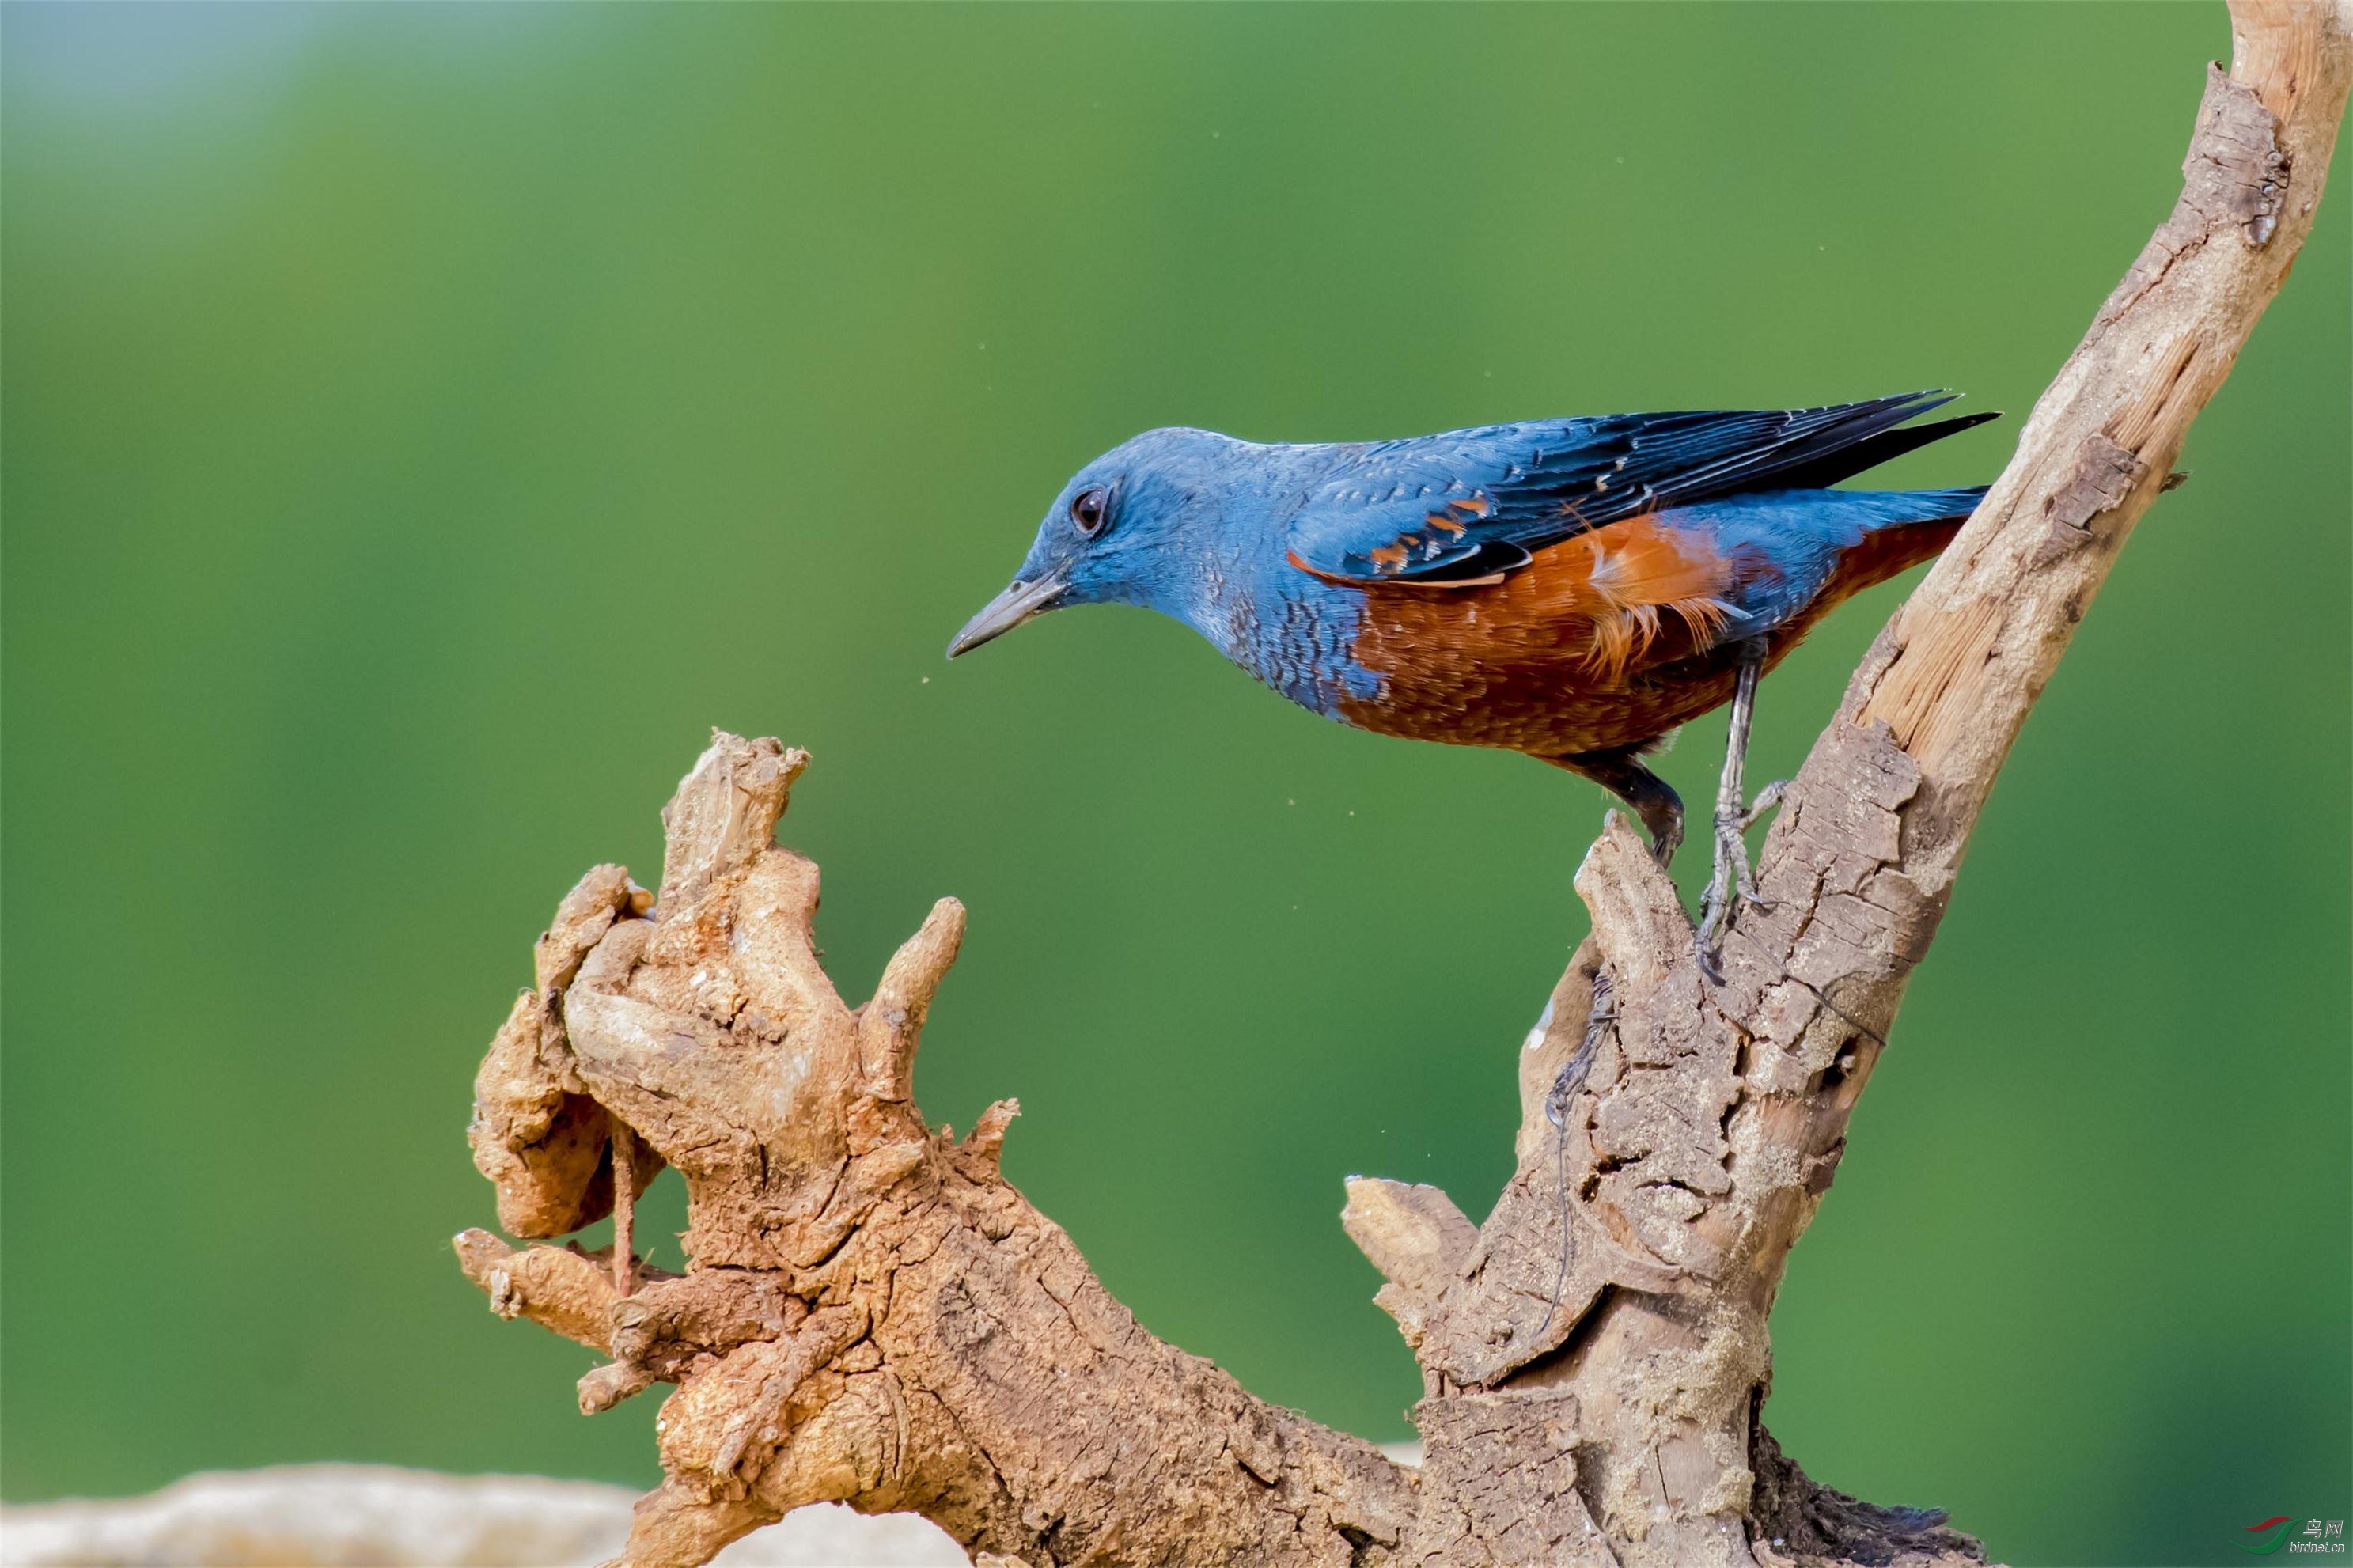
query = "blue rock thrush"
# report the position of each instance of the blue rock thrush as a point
(1570, 588)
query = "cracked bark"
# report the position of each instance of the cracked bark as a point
(873, 1315)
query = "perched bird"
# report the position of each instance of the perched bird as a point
(1570, 588)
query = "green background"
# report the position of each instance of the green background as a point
(423, 424)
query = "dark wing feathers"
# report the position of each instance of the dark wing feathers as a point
(1444, 510)
(1822, 472)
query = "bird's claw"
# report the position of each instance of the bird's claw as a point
(1734, 881)
(1729, 883)
(1767, 798)
(1665, 840)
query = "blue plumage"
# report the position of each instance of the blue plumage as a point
(1804, 534)
(1569, 588)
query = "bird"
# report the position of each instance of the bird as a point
(1572, 589)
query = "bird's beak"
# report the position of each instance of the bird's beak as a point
(1018, 603)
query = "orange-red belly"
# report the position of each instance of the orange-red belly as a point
(1608, 639)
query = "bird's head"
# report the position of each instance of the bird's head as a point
(1128, 528)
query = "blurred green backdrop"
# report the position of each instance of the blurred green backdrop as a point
(423, 424)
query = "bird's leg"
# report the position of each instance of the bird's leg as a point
(1731, 879)
(1619, 770)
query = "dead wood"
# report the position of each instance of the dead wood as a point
(873, 1315)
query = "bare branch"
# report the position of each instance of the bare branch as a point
(889, 1024)
(872, 1313)
(554, 1287)
(1417, 1240)
(724, 814)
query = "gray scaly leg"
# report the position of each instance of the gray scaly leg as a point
(1732, 881)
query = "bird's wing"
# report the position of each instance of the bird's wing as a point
(1470, 506)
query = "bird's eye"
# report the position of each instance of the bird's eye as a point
(1089, 507)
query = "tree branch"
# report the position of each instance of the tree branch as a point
(874, 1315)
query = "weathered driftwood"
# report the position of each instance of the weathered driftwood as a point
(873, 1315)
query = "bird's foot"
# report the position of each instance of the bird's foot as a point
(1666, 836)
(1768, 799)
(1728, 882)
(1664, 845)
(1733, 882)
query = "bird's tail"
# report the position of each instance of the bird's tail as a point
(1903, 528)
(1895, 509)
